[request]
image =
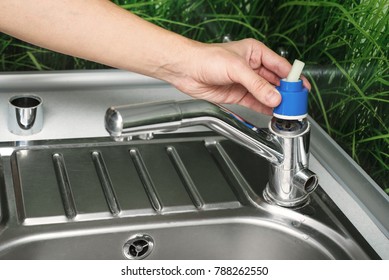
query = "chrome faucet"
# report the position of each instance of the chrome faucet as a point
(285, 144)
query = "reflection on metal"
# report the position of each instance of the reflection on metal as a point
(64, 185)
(106, 183)
(25, 114)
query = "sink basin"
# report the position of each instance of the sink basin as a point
(191, 196)
(69, 193)
(212, 238)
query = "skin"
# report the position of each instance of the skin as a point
(242, 72)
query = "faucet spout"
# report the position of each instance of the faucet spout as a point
(133, 120)
(286, 148)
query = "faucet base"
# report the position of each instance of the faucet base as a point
(291, 182)
(295, 203)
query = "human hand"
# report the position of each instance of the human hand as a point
(243, 72)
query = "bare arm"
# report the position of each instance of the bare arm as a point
(241, 72)
(96, 30)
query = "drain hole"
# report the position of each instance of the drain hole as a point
(138, 247)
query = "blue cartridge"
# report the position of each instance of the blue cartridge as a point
(294, 104)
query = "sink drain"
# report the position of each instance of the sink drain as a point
(138, 247)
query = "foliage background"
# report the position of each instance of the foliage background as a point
(345, 46)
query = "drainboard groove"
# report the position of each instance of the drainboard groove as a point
(106, 183)
(146, 179)
(240, 186)
(64, 186)
(185, 177)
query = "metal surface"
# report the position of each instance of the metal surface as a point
(291, 182)
(85, 200)
(286, 146)
(80, 99)
(25, 114)
(138, 247)
(135, 119)
(75, 102)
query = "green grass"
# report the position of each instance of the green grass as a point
(349, 39)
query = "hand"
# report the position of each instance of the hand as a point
(243, 72)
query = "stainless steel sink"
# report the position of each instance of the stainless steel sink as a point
(194, 195)
(188, 195)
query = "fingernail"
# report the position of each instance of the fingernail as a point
(273, 98)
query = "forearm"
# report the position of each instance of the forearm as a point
(96, 30)
(242, 72)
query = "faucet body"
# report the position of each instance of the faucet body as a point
(285, 144)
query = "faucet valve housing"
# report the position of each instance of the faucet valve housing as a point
(290, 181)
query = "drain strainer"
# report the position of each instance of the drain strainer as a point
(138, 247)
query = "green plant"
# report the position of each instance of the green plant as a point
(353, 107)
(349, 40)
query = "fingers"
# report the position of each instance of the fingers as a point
(306, 83)
(272, 61)
(279, 65)
(238, 94)
(265, 61)
(269, 76)
(261, 89)
(251, 102)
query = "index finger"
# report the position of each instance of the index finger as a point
(279, 65)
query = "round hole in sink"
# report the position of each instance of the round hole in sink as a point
(138, 247)
(25, 101)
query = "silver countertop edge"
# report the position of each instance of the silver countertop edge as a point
(19, 81)
(353, 208)
(356, 194)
